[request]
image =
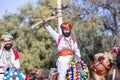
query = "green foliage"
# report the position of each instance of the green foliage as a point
(37, 48)
(34, 46)
(86, 32)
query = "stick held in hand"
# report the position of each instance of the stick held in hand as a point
(45, 21)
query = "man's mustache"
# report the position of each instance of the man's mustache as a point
(8, 44)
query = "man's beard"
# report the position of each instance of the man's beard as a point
(8, 46)
(66, 34)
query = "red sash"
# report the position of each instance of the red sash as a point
(65, 52)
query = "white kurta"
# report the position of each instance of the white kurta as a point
(63, 62)
(7, 57)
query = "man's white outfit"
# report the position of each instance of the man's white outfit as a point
(63, 61)
(7, 57)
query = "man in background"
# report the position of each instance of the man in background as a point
(8, 57)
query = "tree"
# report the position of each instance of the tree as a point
(108, 12)
(37, 48)
(34, 46)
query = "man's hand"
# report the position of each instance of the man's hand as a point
(10, 65)
(45, 21)
(2, 45)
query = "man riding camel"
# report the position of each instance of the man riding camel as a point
(8, 56)
(66, 46)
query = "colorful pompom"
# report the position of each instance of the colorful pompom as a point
(77, 71)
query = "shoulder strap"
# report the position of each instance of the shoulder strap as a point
(16, 54)
(73, 39)
(59, 38)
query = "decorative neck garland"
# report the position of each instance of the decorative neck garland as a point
(77, 71)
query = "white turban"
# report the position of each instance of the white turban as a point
(6, 35)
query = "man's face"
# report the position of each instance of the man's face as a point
(66, 32)
(8, 43)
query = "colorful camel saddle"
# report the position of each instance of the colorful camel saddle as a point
(12, 74)
(77, 71)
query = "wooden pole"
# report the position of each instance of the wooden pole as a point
(59, 13)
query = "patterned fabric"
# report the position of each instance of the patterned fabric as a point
(77, 71)
(12, 74)
(66, 25)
